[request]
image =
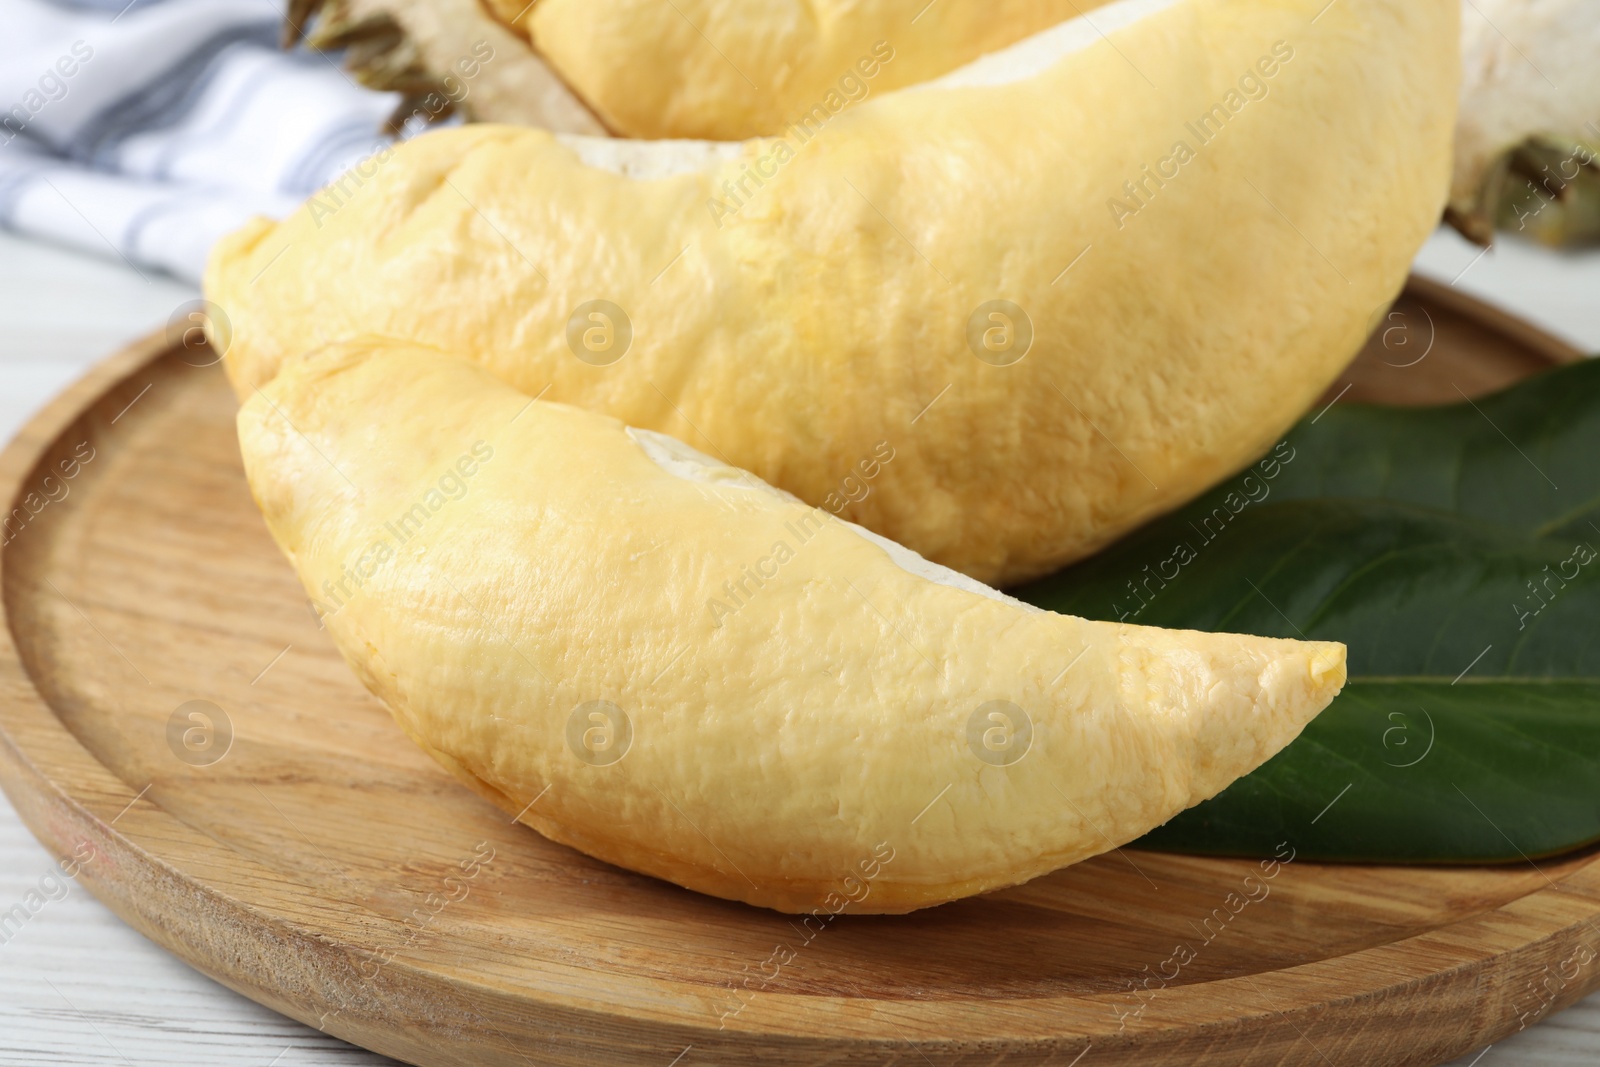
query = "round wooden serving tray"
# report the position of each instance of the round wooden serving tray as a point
(177, 729)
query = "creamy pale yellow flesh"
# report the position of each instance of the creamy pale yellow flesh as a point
(490, 564)
(1176, 333)
(731, 69)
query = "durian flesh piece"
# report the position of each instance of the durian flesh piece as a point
(988, 271)
(657, 659)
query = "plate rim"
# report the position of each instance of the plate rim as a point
(66, 796)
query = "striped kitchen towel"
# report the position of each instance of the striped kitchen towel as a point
(146, 129)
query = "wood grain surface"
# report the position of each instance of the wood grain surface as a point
(291, 843)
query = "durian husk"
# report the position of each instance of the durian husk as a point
(1552, 191)
(417, 47)
(1546, 189)
(1530, 100)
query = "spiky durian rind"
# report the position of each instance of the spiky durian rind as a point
(421, 48)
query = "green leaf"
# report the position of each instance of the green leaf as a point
(1456, 551)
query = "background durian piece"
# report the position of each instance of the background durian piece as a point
(713, 69)
(802, 322)
(727, 70)
(1527, 144)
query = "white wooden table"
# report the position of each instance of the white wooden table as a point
(79, 987)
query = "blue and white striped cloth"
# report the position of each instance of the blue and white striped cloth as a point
(146, 129)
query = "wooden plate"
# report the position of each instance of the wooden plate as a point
(177, 729)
